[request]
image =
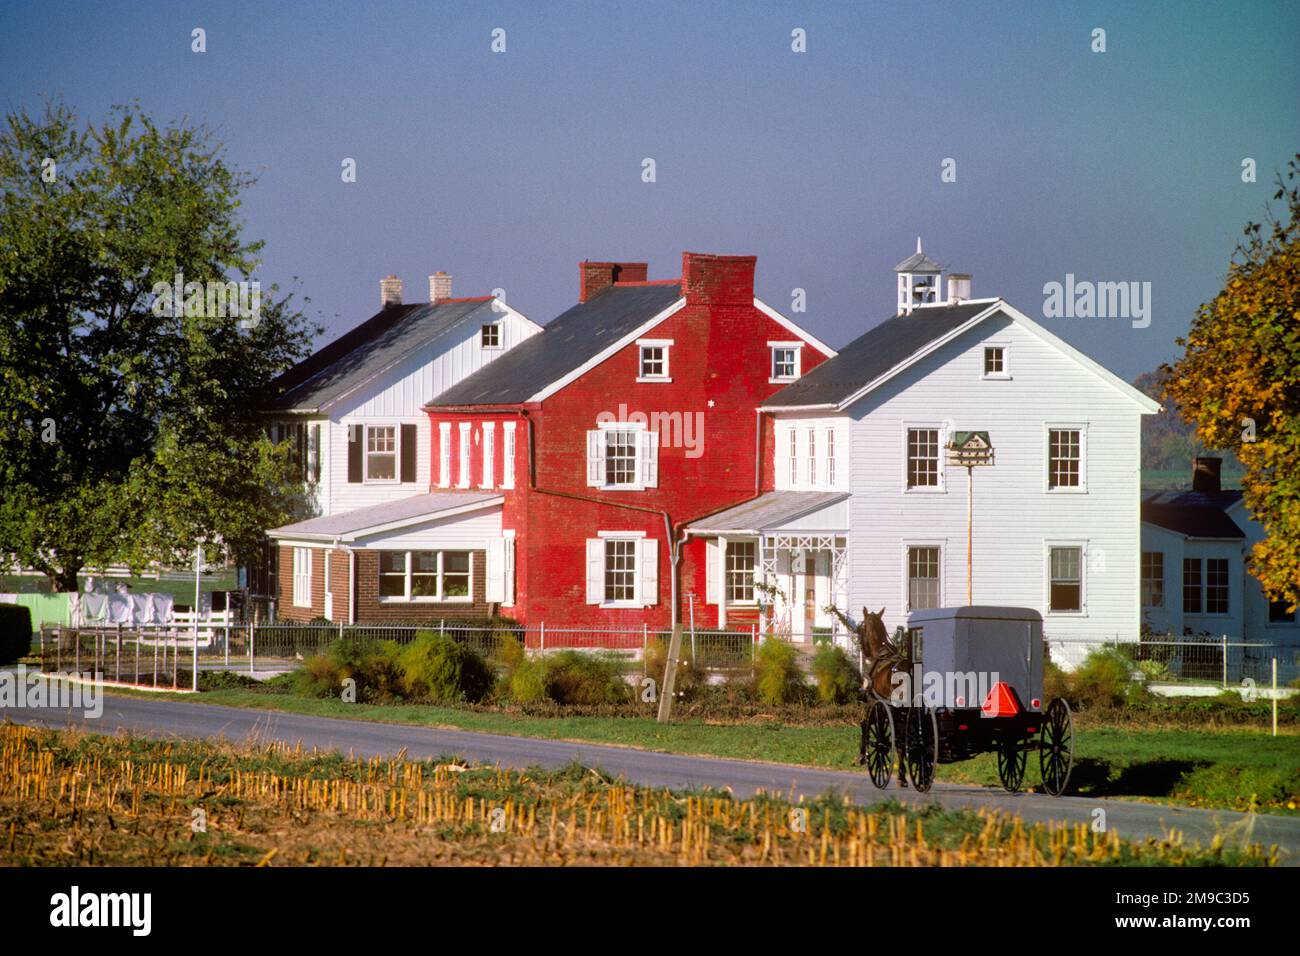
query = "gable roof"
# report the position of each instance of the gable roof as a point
(874, 354)
(895, 344)
(1193, 514)
(349, 525)
(769, 510)
(565, 344)
(319, 382)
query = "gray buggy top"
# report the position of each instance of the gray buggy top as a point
(965, 651)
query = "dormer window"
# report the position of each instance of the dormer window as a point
(490, 337)
(785, 361)
(653, 360)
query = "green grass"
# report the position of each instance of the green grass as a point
(1230, 768)
(181, 589)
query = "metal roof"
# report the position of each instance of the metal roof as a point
(918, 262)
(873, 354)
(1193, 514)
(322, 379)
(350, 524)
(565, 343)
(768, 511)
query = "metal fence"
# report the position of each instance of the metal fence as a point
(1189, 659)
(164, 657)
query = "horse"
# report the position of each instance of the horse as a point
(881, 658)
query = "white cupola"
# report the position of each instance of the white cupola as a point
(918, 281)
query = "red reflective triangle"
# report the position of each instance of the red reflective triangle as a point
(1001, 701)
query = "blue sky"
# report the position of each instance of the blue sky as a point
(508, 169)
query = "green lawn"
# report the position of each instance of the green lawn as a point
(1226, 768)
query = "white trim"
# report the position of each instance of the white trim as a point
(439, 598)
(396, 426)
(444, 454)
(620, 534)
(302, 576)
(1082, 487)
(772, 377)
(646, 446)
(501, 339)
(308, 539)
(908, 544)
(464, 458)
(637, 537)
(508, 451)
(782, 321)
(642, 345)
(489, 429)
(598, 358)
(1005, 374)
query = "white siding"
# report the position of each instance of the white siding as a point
(820, 426)
(472, 530)
(1015, 516)
(1255, 619)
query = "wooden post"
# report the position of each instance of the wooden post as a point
(1224, 650)
(670, 676)
(118, 664)
(970, 536)
(1275, 697)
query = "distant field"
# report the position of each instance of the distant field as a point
(73, 799)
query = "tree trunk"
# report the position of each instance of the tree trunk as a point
(65, 579)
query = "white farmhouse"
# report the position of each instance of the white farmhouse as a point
(867, 510)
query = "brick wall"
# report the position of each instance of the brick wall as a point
(285, 609)
(370, 609)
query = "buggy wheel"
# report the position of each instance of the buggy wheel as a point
(1012, 757)
(878, 744)
(922, 745)
(1056, 747)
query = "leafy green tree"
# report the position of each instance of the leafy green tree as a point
(1239, 382)
(127, 435)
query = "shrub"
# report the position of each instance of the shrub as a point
(436, 668)
(528, 682)
(15, 632)
(1055, 682)
(573, 677)
(1103, 679)
(372, 664)
(779, 679)
(689, 677)
(838, 679)
(509, 654)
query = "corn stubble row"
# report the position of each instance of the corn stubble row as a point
(67, 799)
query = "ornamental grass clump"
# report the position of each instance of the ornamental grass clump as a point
(779, 679)
(838, 679)
(440, 670)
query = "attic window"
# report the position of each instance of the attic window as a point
(785, 361)
(995, 361)
(491, 336)
(652, 365)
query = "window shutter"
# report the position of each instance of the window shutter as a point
(356, 435)
(648, 565)
(509, 572)
(650, 459)
(595, 570)
(711, 570)
(410, 442)
(314, 454)
(595, 458)
(496, 568)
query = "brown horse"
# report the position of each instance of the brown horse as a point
(880, 658)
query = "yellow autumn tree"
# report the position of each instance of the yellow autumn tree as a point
(1238, 382)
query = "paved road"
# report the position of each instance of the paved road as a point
(163, 719)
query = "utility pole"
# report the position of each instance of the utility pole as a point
(198, 567)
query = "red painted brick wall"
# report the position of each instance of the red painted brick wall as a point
(719, 365)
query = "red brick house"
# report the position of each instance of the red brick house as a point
(631, 415)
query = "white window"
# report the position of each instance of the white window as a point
(444, 454)
(1153, 579)
(499, 576)
(830, 457)
(995, 361)
(490, 337)
(1065, 459)
(424, 576)
(923, 462)
(785, 361)
(653, 362)
(489, 453)
(381, 453)
(508, 456)
(462, 479)
(622, 457)
(794, 457)
(302, 577)
(922, 577)
(742, 558)
(622, 570)
(1065, 566)
(812, 457)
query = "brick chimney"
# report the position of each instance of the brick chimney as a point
(718, 280)
(439, 287)
(1205, 474)
(390, 291)
(595, 277)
